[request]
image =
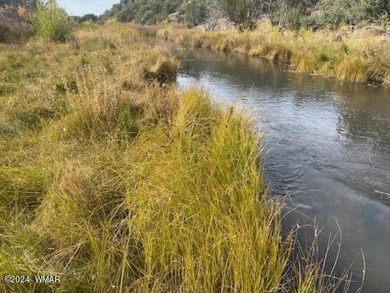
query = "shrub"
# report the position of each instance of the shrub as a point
(88, 17)
(293, 18)
(143, 11)
(335, 12)
(242, 12)
(51, 22)
(195, 12)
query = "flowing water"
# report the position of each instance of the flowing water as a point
(327, 151)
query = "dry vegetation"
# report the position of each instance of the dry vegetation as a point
(112, 180)
(345, 54)
(14, 24)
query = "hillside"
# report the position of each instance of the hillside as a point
(244, 13)
(15, 20)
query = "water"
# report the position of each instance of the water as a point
(327, 150)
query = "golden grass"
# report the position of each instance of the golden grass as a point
(117, 183)
(352, 56)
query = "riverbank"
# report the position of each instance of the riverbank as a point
(351, 55)
(116, 182)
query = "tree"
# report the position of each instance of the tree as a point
(143, 11)
(241, 12)
(25, 3)
(88, 17)
(195, 12)
(375, 9)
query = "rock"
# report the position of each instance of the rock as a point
(175, 17)
(217, 25)
(338, 38)
(374, 31)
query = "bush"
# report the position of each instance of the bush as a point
(51, 22)
(195, 12)
(376, 9)
(88, 17)
(143, 11)
(335, 12)
(241, 12)
(293, 18)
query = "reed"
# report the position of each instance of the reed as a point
(114, 181)
(348, 55)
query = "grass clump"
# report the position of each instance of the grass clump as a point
(129, 186)
(51, 22)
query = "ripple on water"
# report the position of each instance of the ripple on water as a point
(327, 147)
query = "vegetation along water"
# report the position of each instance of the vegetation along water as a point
(114, 179)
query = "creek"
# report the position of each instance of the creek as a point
(326, 152)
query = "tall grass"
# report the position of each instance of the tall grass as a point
(352, 56)
(118, 183)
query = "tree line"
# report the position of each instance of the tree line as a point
(244, 13)
(24, 3)
(292, 14)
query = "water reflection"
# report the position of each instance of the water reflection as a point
(328, 147)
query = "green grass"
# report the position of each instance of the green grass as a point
(118, 183)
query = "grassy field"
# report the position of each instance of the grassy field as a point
(345, 54)
(116, 182)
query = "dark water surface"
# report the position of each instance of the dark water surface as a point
(327, 148)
